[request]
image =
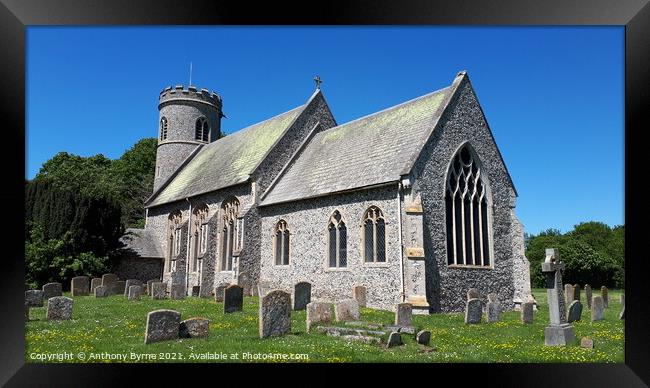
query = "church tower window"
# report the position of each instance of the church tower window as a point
(231, 232)
(374, 235)
(163, 128)
(201, 129)
(337, 241)
(467, 211)
(174, 222)
(281, 242)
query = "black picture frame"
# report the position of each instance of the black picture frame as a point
(16, 15)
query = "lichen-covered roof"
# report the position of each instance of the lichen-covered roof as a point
(365, 152)
(140, 243)
(227, 161)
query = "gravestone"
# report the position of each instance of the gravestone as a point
(177, 292)
(129, 283)
(575, 311)
(346, 310)
(218, 292)
(162, 325)
(318, 312)
(59, 308)
(576, 292)
(149, 283)
(403, 314)
(194, 328)
(558, 332)
(158, 290)
(110, 281)
(473, 293)
(80, 286)
(51, 290)
(196, 290)
(587, 342)
(360, 294)
(94, 283)
(120, 286)
(301, 295)
(244, 282)
(493, 311)
(233, 299)
(597, 308)
(588, 295)
(604, 293)
(423, 337)
(527, 312)
(275, 314)
(394, 339)
(568, 294)
(473, 311)
(34, 298)
(134, 292)
(101, 292)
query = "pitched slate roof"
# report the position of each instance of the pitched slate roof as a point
(140, 242)
(227, 161)
(369, 151)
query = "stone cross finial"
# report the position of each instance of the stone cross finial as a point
(318, 81)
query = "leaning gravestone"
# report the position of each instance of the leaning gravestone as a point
(233, 299)
(59, 308)
(423, 337)
(597, 308)
(101, 292)
(558, 332)
(604, 292)
(162, 325)
(346, 310)
(301, 295)
(120, 286)
(110, 281)
(51, 290)
(129, 283)
(275, 314)
(527, 312)
(394, 339)
(177, 292)
(576, 292)
(473, 293)
(34, 298)
(473, 311)
(80, 286)
(360, 295)
(493, 311)
(135, 292)
(568, 294)
(158, 290)
(403, 314)
(194, 328)
(218, 292)
(94, 283)
(318, 312)
(575, 311)
(588, 295)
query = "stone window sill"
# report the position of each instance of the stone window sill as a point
(337, 269)
(374, 264)
(459, 266)
(282, 265)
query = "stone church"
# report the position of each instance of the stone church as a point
(414, 202)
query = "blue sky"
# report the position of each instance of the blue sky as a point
(553, 96)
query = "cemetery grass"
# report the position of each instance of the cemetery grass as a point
(115, 325)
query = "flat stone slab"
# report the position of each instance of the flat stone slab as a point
(275, 314)
(51, 290)
(318, 312)
(337, 331)
(158, 290)
(362, 338)
(194, 328)
(346, 310)
(102, 292)
(394, 339)
(59, 308)
(34, 298)
(400, 329)
(369, 325)
(162, 325)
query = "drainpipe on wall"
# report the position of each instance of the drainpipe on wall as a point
(187, 251)
(401, 244)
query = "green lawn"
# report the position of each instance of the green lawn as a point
(115, 325)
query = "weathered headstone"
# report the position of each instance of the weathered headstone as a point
(597, 308)
(346, 310)
(196, 290)
(568, 294)
(360, 295)
(558, 332)
(275, 314)
(162, 325)
(403, 314)
(604, 292)
(473, 311)
(575, 311)
(80, 286)
(149, 283)
(194, 328)
(34, 298)
(301, 295)
(94, 283)
(586, 342)
(134, 292)
(110, 281)
(129, 283)
(423, 337)
(318, 312)
(394, 339)
(493, 311)
(177, 292)
(527, 312)
(576, 292)
(473, 293)
(588, 295)
(59, 308)
(120, 286)
(158, 290)
(218, 292)
(233, 299)
(51, 290)
(101, 291)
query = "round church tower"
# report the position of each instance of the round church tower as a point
(188, 118)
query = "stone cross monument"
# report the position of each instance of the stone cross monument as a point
(558, 332)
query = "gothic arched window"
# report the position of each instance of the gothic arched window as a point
(174, 222)
(231, 232)
(199, 235)
(374, 235)
(467, 211)
(281, 242)
(201, 129)
(337, 241)
(163, 128)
